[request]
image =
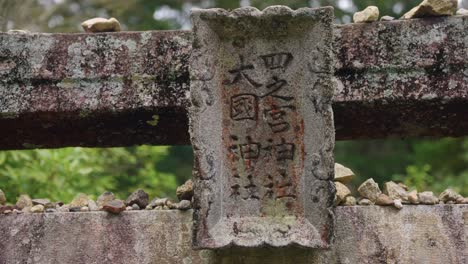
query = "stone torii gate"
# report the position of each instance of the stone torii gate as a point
(262, 130)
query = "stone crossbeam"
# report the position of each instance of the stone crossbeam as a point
(394, 79)
(364, 234)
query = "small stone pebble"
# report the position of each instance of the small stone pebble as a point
(462, 12)
(80, 200)
(99, 24)
(185, 191)
(18, 31)
(135, 207)
(431, 8)
(397, 203)
(365, 201)
(383, 199)
(24, 201)
(395, 191)
(349, 201)
(84, 209)
(7, 211)
(370, 190)
(2, 197)
(45, 202)
(387, 18)
(75, 209)
(341, 192)
(26, 209)
(413, 197)
(370, 14)
(64, 209)
(139, 197)
(92, 205)
(37, 208)
(184, 205)
(427, 198)
(115, 206)
(105, 197)
(128, 208)
(158, 202)
(449, 195)
(343, 174)
(171, 205)
(50, 210)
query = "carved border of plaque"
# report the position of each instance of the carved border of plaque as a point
(261, 126)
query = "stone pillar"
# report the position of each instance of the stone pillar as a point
(261, 126)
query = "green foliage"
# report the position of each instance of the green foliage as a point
(61, 173)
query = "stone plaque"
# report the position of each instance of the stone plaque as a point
(261, 126)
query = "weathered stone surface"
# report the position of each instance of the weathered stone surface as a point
(343, 174)
(185, 191)
(50, 84)
(114, 206)
(105, 197)
(402, 71)
(427, 198)
(364, 234)
(24, 201)
(80, 200)
(370, 190)
(261, 91)
(100, 24)
(341, 193)
(370, 14)
(2, 197)
(139, 197)
(431, 8)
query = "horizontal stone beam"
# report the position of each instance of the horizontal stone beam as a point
(364, 234)
(401, 78)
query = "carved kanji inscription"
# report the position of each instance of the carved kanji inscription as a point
(263, 146)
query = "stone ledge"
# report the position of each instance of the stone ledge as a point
(364, 234)
(399, 78)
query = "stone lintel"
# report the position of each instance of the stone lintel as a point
(364, 234)
(261, 127)
(402, 78)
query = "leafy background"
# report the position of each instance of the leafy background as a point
(59, 174)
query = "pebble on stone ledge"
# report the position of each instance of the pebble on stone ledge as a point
(185, 191)
(99, 24)
(115, 206)
(431, 8)
(370, 14)
(138, 197)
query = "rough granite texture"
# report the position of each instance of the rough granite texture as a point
(364, 234)
(395, 78)
(261, 127)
